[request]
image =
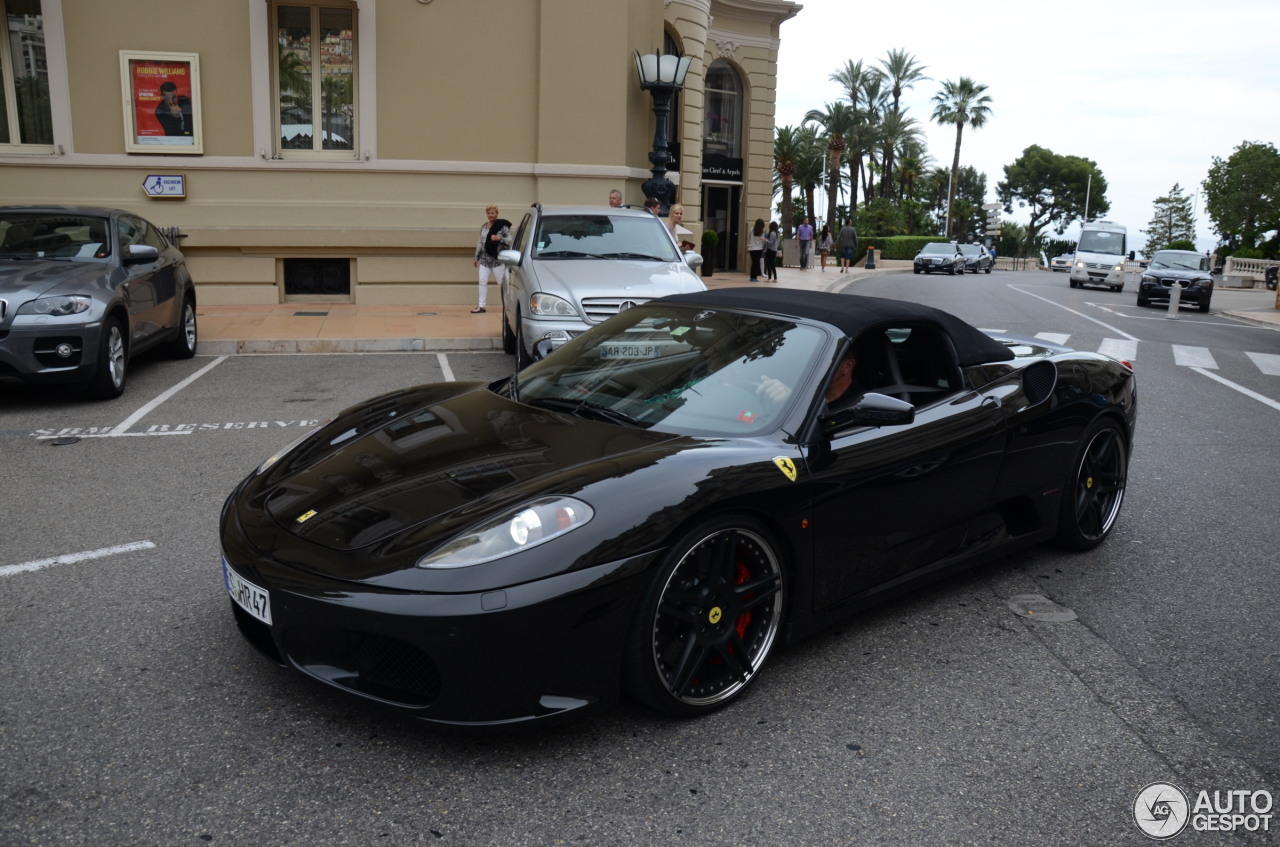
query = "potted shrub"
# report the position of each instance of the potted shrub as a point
(710, 240)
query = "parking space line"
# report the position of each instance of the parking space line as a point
(72, 558)
(444, 366)
(1246, 392)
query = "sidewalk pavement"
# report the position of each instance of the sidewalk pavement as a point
(347, 328)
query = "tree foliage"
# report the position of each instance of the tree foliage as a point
(1171, 221)
(1242, 194)
(1054, 188)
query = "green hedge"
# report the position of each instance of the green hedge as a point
(897, 246)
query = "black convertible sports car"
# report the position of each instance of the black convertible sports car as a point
(665, 499)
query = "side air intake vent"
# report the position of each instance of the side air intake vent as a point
(1038, 382)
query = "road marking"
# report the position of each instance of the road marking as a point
(1268, 363)
(1246, 392)
(1118, 332)
(147, 408)
(444, 366)
(1059, 338)
(1193, 357)
(1116, 348)
(72, 558)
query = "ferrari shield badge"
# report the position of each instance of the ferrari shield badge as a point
(787, 466)
(307, 515)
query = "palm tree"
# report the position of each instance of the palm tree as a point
(838, 122)
(897, 131)
(902, 71)
(786, 151)
(960, 102)
(809, 167)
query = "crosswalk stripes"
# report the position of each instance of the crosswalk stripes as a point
(1268, 363)
(1183, 355)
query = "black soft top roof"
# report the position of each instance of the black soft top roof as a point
(853, 315)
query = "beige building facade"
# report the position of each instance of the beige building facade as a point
(346, 149)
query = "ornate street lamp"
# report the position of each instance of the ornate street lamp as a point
(662, 76)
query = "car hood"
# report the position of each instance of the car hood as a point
(21, 281)
(414, 458)
(579, 279)
(1175, 273)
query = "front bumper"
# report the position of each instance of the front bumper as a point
(49, 351)
(560, 332)
(1150, 289)
(532, 652)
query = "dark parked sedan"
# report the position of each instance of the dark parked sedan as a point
(940, 257)
(1168, 268)
(664, 500)
(977, 259)
(83, 290)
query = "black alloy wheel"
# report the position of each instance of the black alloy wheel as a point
(710, 620)
(109, 379)
(508, 337)
(1095, 488)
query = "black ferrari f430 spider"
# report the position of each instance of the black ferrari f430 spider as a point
(659, 504)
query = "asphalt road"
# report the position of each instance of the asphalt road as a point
(132, 713)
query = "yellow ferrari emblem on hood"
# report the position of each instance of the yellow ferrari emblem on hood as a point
(307, 515)
(787, 466)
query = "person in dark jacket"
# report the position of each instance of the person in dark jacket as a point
(495, 236)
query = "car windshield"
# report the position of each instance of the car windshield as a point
(44, 235)
(940, 248)
(972, 249)
(1180, 261)
(678, 369)
(1101, 241)
(603, 236)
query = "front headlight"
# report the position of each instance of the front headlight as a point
(551, 306)
(1148, 280)
(532, 524)
(57, 306)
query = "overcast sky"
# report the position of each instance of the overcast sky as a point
(1149, 91)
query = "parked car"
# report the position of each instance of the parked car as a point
(665, 499)
(1177, 267)
(1062, 262)
(83, 291)
(939, 256)
(977, 259)
(571, 268)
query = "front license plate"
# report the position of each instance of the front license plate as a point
(248, 596)
(630, 351)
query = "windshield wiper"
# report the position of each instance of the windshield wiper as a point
(566, 254)
(585, 408)
(631, 255)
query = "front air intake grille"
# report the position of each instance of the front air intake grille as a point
(392, 669)
(1038, 382)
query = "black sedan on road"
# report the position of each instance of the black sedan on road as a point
(939, 257)
(977, 259)
(1185, 268)
(663, 501)
(83, 290)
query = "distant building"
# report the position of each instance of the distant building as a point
(347, 149)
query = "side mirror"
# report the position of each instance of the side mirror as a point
(138, 254)
(693, 260)
(871, 410)
(510, 258)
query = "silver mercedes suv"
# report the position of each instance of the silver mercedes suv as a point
(571, 267)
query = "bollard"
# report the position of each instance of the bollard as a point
(1175, 297)
(871, 259)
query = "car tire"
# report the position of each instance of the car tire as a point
(988, 269)
(1143, 301)
(915, 270)
(1204, 305)
(1116, 287)
(709, 620)
(523, 358)
(508, 337)
(1095, 486)
(113, 359)
(183, 343)
(951, 271)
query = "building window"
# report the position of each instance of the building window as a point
(25, 114)
(315, 77)
(722, 132)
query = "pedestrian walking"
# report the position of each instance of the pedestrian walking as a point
(804, 237)
(846, 244)
(825, 242)
(495, 236)
(755, 248)
(771, 243)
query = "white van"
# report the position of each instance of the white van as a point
(1100, 255)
